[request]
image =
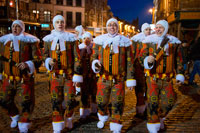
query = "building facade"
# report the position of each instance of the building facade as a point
(72, 10)
(97, 12)
(38, 14)
(9, 13)
(183, 15)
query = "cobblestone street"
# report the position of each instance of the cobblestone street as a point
(184, 117)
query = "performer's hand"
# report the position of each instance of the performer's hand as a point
(185, 44)
(76, 84)
(86, 41)
(150, 59)
(98, 66)
(51, 62)
(178, 83)
(22, 65)
(131, 88)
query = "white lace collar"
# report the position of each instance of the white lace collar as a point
(139, 37)
(121, 40)
(66, 36)
(156, 39)
(25, 37)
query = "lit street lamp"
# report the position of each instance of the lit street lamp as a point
(151, 10)
(120, 26)
(11, 3)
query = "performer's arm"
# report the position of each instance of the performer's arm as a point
(46, 56)
(77, 77)
(130, 82)
(96, 63)
(147, 58)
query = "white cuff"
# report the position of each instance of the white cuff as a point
(130, 82)
(116, 127)
(93, 65)
(77, 78)
(31, 67)
(23, 127)
(102, 118)
(78, 89)
(58, 126)
(1, 76)
(153, 127)
(47, 64)
(146, 66)
(180, 77)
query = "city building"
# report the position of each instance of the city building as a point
(9, 13)
(38, 14)
(183, 15)
(97, 12)
(72, 10)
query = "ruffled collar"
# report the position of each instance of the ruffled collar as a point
(113, 35)
(66, 36)
(116, 41)
(139, 37)
(25, 37)
(156, 39)
(121, 40)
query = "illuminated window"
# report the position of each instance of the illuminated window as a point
(47, 16)
(36, 11)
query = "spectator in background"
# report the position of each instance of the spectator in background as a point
(185, 53)
(195, 57)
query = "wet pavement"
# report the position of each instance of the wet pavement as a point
(184, 117)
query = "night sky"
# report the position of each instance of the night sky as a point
(131, 9)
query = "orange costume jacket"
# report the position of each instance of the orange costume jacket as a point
(168, 60)
(65, 52)
(22, 48)
(116, 57)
